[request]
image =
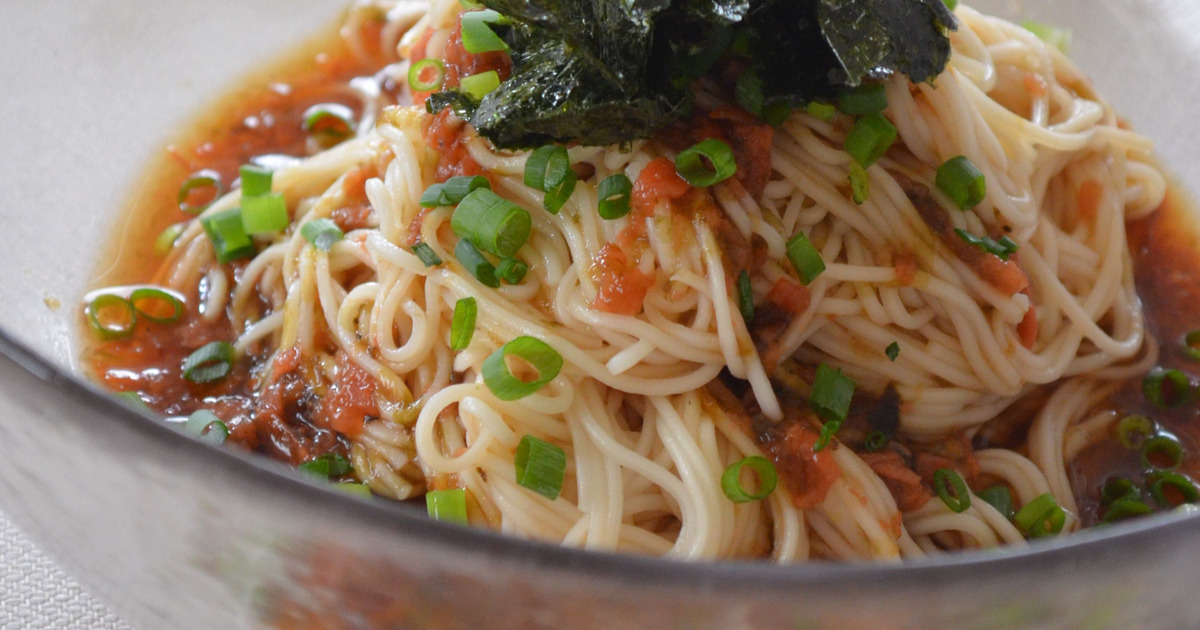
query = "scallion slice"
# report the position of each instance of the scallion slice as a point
(731, 479)
(830, 396)
(256, 180)
(210, 363)
(205, 425)
(453, 190)
(1162, 452)
(1126, 509)
(1171, 489)
(476, 264)
(491, 223)
(423, 68)
(448, 506)
(157, 305)
(1119, 489)
(512, 270)
(1056, 36)
(546, 167)
(874, 441)
(892, 351)
(745, 296)
(999, 497)
(821, 110)
(166, 239)
(707, 163)
(952, 490)
(360, 490)
(1133, 430)
(479, 85)
(828, 429)
(321, 233)
(1191, 345)
(477, 35)
(1167, 389)
(1040, 517)
(869, 98)
(110, 316)
(228, 235)
(206, 184)
(1002, 248)
(805, 258)
(557, 197)
(265, 214)
(962, 182)
(870, 137)
(462, 324)
(860, 183)
(426, 254)
(327, 466)
(950, 4)
(541, 466)
(331, 123)
(540, 364)
(614, 194)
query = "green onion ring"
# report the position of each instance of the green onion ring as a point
(417, 69)
(946, 480)
(202, 179)
(545, 360)
(152, 293)
(731, 479)
(109, 332)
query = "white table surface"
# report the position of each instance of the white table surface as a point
(35, 594)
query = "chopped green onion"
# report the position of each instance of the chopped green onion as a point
(1175, 483)
(150, 303)
(868, 98)
(1191, 345)
(731, 479)
(228, 235)
(477, 35)
(1002, 248)
(821, 110)
(541, 466)
(448, 506)
(557, 197)
(417, 84)
(745, 292)
(491, 223)
(1040, 517)
(614, 194)
(830, 398)
(360, 490)
(426, 254)
(476, 264)
(210, 363)
(538, 357)
(1167, 388)
(512, 270)
(322, 233)
(327, 466)
(707, 163)
(205, 425)
(256, 180)
(1119, 489)
(1125, 509)
(999, 497)
(166, 239)
(892, 351)
(546, 167)
(134, 399)
(962, 182)
(462, 324)
(950, 4)
(265, 214)
(870, 137)
(205, 180)
(479, 85)
(452, 191)
(875, 441)
(952, 490)
(110, 316)
(1162, 452)
(860, 183)
(805, 258)
(1133, 430)
(330, 122)
(828, 429)
(1056, 36)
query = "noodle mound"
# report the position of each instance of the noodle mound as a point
(659, 393)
